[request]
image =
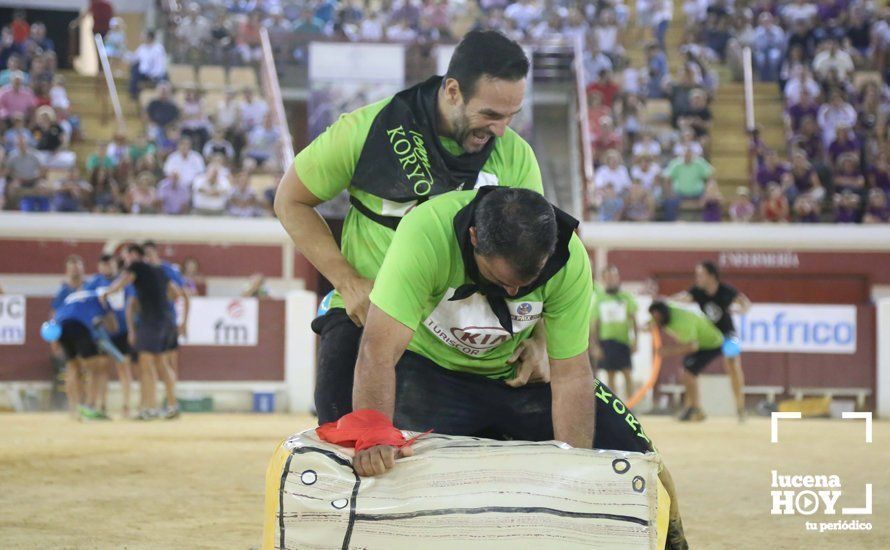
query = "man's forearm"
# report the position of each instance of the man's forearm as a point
(375, 385)
(574, 408)
(314, 240)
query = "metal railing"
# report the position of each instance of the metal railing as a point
(584, 125)
(272, 92)
(109, 81)
(747, 68)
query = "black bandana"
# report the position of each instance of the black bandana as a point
(403, 159)
(494, 294)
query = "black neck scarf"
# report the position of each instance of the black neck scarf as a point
(403, 159)
(495, 294)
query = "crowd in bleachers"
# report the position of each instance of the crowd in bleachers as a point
(830, 62)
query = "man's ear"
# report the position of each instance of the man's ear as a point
(473, 240)
(452, 91)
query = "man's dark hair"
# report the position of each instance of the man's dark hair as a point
(517, 225)
(136, 249)
(711, 268)
(662, 309)
(486, 53)
(150, 244)
(105, 258)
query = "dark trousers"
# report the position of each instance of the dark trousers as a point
(454, 403)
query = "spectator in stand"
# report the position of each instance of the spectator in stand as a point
(879, 174)
(606, 33)
(664, 14)
(71, 193)
(243, 201)
(100, 159)
(58, 96)
(639, 206)
(612, 172)
(771, 170)
(26, 179)
(262, 142)
(646, 171)
(611, 205)
(803, 108)
(774, 208)
(142, 198)
(524, 13)
(11, 136)
(247, 40)
(688, 142)
(596, 112)
(371, 28)
(876, 209)
(210, 193)
(149, 64)
(16, 98)
(833, 60)
(712, 203)
(697, 116)
(846, 207)
(51, 140)
(116, 45)
(807, 210)
(218, 145)
(809, 139)
(194, 124)
(607, 138)
(656, 69)
(40, 73)
(859, 33)
(401, 32)
(741, 209)
(688, 175)
(119, 151)
(192, 33)
(798, 11)
(769, 47)
(251, 110)
(646, 145)
(222, 40)
(106, 191)
(606, 87)
(13, 65)
(21, 30)
(185, 162)
(716, 35)
(595, 61)
(848, 174)
(802, 178)
(175, 198)
(161, 111)
(834, 114)
(844, 142)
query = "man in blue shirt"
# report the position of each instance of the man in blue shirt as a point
(74, 280)
(177, 327)
(107, 273)
(81, 316)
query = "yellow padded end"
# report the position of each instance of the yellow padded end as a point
(664, 514)
(273, 486)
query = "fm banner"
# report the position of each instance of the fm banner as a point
(223, 322)
(798, 328)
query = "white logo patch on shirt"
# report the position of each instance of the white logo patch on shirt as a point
(613, 312)
(486, 178)
(470, 325)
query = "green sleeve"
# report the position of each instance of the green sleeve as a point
(594, 308)
(414, 263)
(327, 164)
(528, 173)
(567, 301)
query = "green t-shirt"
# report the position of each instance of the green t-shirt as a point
(615, 313)
(424, 267)
(687, 326)
(689, 179)
(326, 167)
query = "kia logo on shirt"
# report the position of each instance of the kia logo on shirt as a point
(480, 337)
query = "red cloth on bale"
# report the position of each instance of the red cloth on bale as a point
(363, 429)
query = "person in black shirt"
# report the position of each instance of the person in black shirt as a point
(149, 335)
(718, 301)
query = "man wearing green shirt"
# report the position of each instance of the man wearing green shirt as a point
(444, 134)
(689, 175)
(613, 329)
(698, 339)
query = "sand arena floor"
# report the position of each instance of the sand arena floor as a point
(198, 482)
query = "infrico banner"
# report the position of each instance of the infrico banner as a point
(798, 328)
(12, 320)
(222, 322)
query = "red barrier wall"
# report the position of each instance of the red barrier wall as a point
(265, 361)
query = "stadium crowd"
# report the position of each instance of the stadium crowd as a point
(197, 158)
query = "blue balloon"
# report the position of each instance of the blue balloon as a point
(50, 331)
(731, 347)
(325, 304)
